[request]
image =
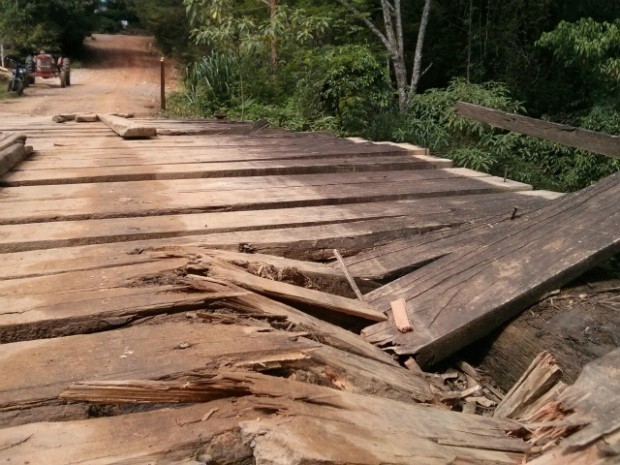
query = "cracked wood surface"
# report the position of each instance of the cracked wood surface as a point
(466, 294)
(273, 420)
(184, 351)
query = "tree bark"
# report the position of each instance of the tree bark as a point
(417, 60)
(273, 59)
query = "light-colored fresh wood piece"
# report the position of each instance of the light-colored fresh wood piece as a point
(127, 129)
(401, 320)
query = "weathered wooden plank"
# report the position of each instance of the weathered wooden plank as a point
(463, 296)
(404, 255)
(181, 351)
(219, 270)
(207, 185)
(144, 203)
(597, 142)
(248, 427)
(34, 177)
(93, 300)
(409, 215)
(125, 128)
(306, 242)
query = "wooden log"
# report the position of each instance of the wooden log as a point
(9, 140)
(597, 142)
(127, 129)
(63, 118)
(86, 118)
(454, 300)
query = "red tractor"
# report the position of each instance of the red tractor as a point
(45, 66)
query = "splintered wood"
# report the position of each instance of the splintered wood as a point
(174, 299)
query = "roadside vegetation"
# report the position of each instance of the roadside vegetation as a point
(383, 69)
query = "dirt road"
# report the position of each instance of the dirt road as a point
(122, 77)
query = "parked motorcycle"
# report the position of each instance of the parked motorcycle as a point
(19, 79)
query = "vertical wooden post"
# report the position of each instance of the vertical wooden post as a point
(163, 84)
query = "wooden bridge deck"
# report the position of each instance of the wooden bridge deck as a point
(100, 283)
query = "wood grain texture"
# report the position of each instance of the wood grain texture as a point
(465, 295)
(276, 418)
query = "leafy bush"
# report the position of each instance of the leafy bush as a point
(347, 83)
(431, 122)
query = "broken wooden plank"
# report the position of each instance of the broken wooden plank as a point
(127, 129)
(597, 142)
(592, 403)
(219, 271)
(542, 374)
(94, 300)
(350, 279)
(454, 300)
(182, 351)
(355, 422)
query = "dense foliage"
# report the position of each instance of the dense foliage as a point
(59, 25)
(360, 67)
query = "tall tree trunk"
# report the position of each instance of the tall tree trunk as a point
(273, 58)
(417, 60)
(393, 41)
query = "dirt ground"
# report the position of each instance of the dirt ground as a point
(122, 76)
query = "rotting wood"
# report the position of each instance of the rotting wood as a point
(455, 299)
(323, 331)
(220, 271)
(127, 129)
(362, 430)
(538, 379)
(178, 351)
(299, 272)
(78, 302)
(579, 327)
(597, 142)
(399, 311)
(591, 407)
